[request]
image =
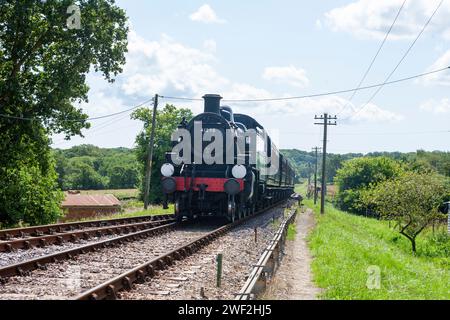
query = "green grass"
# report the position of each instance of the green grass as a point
(153, 210)
(344, 246)
(301, 188)
(292, 232)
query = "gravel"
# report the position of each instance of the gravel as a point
(8, 258)
(69, 278)
(195, 277)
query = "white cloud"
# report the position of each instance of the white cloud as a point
(306, 107)
(436, 107)
(289, 75)
(171, 68)
(372, 19)
(441, 78)
(168, 66)
(206, 14)
(373, 113)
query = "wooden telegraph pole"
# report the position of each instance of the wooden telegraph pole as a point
(315, 149)
(326, 122)
(148, 170)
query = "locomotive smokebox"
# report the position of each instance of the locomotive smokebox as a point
(212, 103)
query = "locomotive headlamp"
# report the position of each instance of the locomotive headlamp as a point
(239, 171)
(167, 170)
(169, 185)
(232, 187)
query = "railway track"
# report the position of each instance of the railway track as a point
(75, 232)
(88, 272)
(72, 277)
(36, 231)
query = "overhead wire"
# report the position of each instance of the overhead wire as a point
(374, 58)
(399, 63)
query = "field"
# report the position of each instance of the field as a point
(349, 251)
(118, 193)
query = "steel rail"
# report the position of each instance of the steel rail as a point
(7, 234)
(22, 268)
(110, 288)
(267, 263)
(61, 238)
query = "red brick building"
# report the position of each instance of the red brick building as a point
(80, 206)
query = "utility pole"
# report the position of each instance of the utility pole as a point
(148, 171)
(309, 179)
(326, 122)
(316, 150)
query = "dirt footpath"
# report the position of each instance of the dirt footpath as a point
(293, 280)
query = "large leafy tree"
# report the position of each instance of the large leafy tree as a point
(43, 68)
(167, 121)
(357, 175)
(411, 200)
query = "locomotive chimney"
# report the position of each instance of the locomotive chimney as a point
(212, 103)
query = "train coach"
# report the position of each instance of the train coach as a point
(224, 164)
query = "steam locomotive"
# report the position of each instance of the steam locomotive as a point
(224, 164)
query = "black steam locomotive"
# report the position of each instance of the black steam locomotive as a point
(228, 167)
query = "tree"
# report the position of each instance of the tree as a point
(411, 199)
(123, 177)
(167, 121)
(28, 188)
(358, 174)
(82, 175)
(43, 68)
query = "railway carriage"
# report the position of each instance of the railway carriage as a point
(246, 175)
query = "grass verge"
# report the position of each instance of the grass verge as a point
(291, 232)
(349, 251)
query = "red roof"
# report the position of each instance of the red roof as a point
(86, 200)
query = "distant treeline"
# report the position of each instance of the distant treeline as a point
(303, 161)
(87, 167)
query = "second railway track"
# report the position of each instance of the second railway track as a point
(84, 231)
(69, 278)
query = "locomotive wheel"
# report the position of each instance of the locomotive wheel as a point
(231, 211)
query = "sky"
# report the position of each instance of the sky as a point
(269, 49)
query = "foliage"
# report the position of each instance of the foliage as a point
(304, 163)
(358, 244)
(411, 200)
(421, 161)
(28, 192)
(87, 167)
(357, 175)
(167, 121)
(43, 68)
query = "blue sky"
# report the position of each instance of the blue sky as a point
(266, 49)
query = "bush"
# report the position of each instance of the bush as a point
(29, 195)
(412, 200)
(357, 175)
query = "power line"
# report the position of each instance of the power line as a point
(247, 100)
(374, 58)
(401, 60)
(369, 133)
(82, 120)
(317, 94)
